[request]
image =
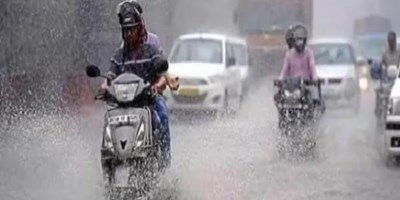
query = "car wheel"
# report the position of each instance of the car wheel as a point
(232, 104)
(223, 112)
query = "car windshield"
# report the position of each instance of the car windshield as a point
(198, 50)
(332, 54)
(372, 47)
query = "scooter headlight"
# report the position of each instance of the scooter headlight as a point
(125, 92)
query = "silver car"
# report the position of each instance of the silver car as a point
(336, 64)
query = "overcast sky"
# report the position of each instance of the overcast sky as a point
(335, 17)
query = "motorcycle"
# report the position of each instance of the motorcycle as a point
(130, 149)
(383, 91)
(297, 111)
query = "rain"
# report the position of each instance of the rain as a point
(51, 127)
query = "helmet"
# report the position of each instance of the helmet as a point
(128, 13)
(300, 36)
(300, 32)
(133, 2)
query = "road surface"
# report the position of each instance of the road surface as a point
(54, 157)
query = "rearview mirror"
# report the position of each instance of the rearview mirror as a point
(92, 71)
(231, 62)
(392, 71)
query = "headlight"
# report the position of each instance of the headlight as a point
(140, 135)
(295, 93)
(107, 139)
(125, 92)
(219, 78)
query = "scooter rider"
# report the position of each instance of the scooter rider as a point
(151, 38)
(299, 61)
(172, 81)
(391, 56)
(137, 56)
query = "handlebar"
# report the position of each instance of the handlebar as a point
(279, 83)
(105, 95)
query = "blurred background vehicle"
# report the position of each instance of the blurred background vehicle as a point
(212, 69)
(264, 24)
(336, 64)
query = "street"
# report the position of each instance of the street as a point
(58, 158)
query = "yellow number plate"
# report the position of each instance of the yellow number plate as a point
(189, 92)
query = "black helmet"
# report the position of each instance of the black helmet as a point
(300, 32)
(300, 36)
(129, 14)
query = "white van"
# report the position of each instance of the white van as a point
(211, 68)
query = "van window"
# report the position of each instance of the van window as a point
(333, 54)
(240, 53)
(198, 50)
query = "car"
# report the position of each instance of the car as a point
(336, 65)
(212, 69)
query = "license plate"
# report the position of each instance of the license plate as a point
(188, 92)
(121, 177)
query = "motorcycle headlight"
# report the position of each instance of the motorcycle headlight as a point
(107, 139)
(125, 92)
(295, 93)
(140, 135)
(219, 78)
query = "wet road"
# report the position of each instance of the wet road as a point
(56, 158)
(238, 159)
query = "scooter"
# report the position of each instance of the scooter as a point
(130, 149)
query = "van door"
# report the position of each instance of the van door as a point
(242, 60)
(233, 71)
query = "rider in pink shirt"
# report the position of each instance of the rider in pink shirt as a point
(299, 61)
(299, 64)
